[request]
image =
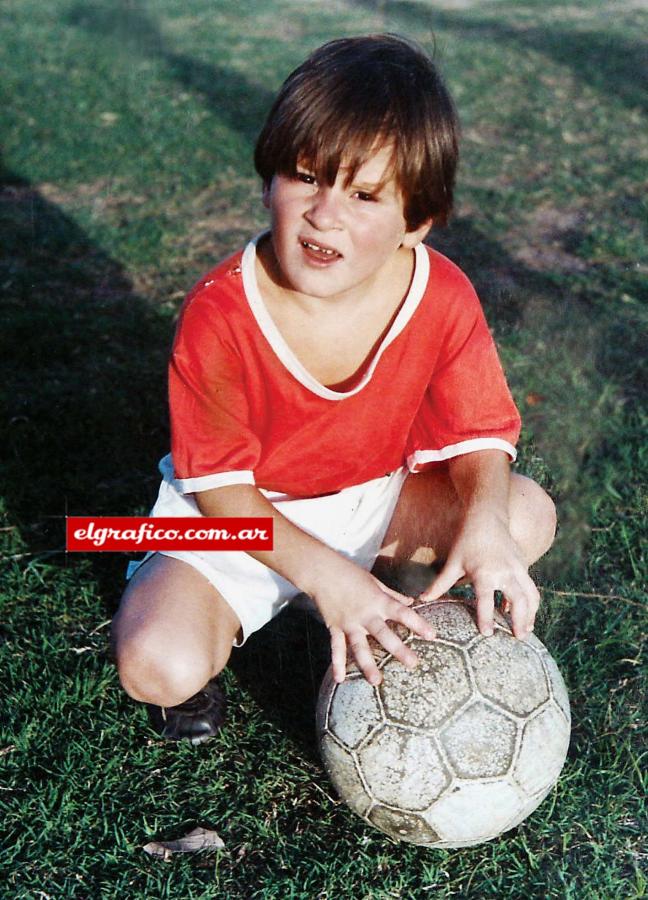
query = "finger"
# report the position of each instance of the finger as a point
(412, 620)
(364, 657)
(485, 595)
(447, 577)
(402, 598)
(338, 654)
(523, 600)
(519, 617)
(391, 642)
(533, 595)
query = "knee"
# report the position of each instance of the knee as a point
(151, 671)
(533, 520)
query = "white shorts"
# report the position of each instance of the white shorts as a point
(353, 521)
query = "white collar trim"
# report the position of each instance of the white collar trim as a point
(283, 351)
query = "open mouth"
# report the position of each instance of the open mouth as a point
(319, 251)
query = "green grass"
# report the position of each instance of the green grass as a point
(126, 172)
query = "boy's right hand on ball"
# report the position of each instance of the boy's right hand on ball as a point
(354, 605)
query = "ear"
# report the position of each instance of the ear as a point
(412, 238)
(265, 194)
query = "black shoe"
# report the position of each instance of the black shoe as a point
(196, 720)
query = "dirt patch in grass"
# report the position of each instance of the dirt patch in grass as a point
(104, 193)
(213, 214)
(212, 226)
(217, 225)
(105, 199)
(549, 232)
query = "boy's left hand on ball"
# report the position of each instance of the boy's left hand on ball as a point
(487, 555)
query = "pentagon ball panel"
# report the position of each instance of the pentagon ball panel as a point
(458, 750)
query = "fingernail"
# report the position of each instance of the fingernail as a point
(487, 632)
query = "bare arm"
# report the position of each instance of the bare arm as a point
(484, 550)
(352, 602)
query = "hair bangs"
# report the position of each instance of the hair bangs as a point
(324, 132)
(347, 146)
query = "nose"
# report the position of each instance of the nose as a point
(325, 211)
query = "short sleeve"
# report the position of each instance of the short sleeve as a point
(212, 443)
(467, 405)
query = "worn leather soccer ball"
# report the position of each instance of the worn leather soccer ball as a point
(456, 751)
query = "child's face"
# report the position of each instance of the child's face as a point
(335, 242)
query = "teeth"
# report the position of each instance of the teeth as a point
(318, 249)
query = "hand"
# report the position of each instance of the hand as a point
(361, 608)
(485, 552)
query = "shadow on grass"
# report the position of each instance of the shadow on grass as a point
(241, 105)
(604, 61)
(282, 668)
(83, 373)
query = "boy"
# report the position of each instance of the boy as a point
(339, 376)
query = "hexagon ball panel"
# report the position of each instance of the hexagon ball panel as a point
(343, 773)
(430, 693)
(509, 672)
(536, 773)
(558, 687)
(407, 826)
(480, 742)
(472, 813)
(453, 622)
(446, 736)
(403, 769)
(354, 711)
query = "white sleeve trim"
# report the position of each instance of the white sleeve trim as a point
(419, 457)
(207, 482)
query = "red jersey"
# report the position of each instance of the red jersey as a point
(245, 411)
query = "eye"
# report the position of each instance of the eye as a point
(364, 195)
(305, 177)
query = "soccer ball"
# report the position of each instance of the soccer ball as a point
(456, 751)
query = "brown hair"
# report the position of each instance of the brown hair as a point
(354, 94)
